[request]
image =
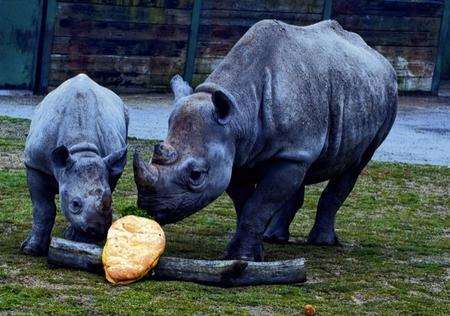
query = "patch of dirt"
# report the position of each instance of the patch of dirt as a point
(13, 129)
(81, 299)
(11, 160)
(358, 298)
(260, 311)
(33, 281)
(447, 233)
(423, 190)
(7, 228)
(314, 279)
(443, 261)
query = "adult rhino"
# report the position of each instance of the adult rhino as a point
(76, 147)
(287, 107)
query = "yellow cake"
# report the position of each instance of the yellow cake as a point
(133, 247)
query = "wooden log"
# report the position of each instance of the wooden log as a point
(408, 83)
(66, 253)
(301, 6)
(179, 4)
(248, 18)
(389, 23)
(147, 15)
(120, 30)
(389, 8)
(405, 39)
(149, 65)
(124, 47)
(409, 53)
(227, 273)
(119, 82)
(121, 89)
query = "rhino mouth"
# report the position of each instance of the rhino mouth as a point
(163, 217)
(166, 209)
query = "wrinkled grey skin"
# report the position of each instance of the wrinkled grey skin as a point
(76, 148)
(288, 106)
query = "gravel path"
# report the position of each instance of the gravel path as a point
(421, 133)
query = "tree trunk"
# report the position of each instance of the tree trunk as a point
(227, 273)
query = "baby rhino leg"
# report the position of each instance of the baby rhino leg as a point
(42, 190)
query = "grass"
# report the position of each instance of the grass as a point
(395, 260)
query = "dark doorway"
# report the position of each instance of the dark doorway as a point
(20, 25)
(445, 74)
(444, 85)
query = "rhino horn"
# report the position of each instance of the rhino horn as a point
(164, 154)
(145, 175)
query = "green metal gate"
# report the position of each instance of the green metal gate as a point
(446, 60)
(24, 38)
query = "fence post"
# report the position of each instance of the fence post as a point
(443, 32)
(49, 10)
(327, 7)
(192, 44)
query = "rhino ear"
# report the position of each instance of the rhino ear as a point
(223, 107)
(61, 157)
(180, 88)
(116, 161)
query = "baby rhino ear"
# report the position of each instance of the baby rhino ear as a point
(116, 161)
(61, 157)
(180, 88)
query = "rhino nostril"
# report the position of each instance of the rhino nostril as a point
(106, 204)
(106, 194)
(158, 149)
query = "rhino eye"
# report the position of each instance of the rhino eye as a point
(76, 205)
(196, 180)
(195, 175)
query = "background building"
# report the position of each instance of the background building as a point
(134, 46)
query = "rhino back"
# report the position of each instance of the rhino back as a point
(316, 92)
(79, 110)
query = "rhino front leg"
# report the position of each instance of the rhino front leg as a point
(240, 189)
(282, 179)
(278, 230)
(42, 192)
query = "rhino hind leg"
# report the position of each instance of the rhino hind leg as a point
(335, 193)
(42, 192)
(278, 230)
(332, 198)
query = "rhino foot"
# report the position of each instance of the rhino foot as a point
(35, 246)
(276, 237)
(323, 238)
(244, 250)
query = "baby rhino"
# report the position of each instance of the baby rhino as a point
(76, 147)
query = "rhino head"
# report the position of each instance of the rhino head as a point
(192, 167)
(84, 180)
